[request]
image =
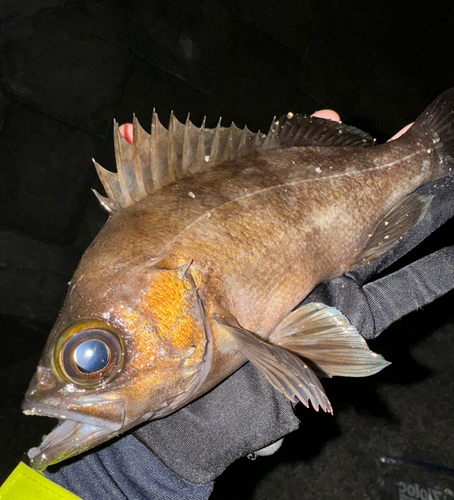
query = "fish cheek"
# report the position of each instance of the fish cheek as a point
(167, 352)
(172, 304)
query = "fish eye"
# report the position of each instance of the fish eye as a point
(91, 356)
(89, 353)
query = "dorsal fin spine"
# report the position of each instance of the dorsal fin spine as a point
(109, 204)
(110, 183)
(258, 140)
(245, 140)
(216, 142)
(233, 142)
(123, 165)
(186, 160)
(155, 159)
(231, 149)
(172, 170)
(172, 153)
(200, 158)
(139, 164)
(270, 136)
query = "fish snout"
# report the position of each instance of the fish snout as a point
(42, 381)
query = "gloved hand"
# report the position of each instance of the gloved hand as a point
(199, 441)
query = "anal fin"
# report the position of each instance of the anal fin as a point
(324, 337)
(397, 221)
(285, 371)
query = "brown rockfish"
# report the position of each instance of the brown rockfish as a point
(214, 237)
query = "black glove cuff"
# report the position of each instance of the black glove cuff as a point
(375, 306)
(410, 288)
(243, 415)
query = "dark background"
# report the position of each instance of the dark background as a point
(67, 68)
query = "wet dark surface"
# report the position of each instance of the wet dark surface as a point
(69, 67)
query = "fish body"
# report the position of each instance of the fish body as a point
(201, 265)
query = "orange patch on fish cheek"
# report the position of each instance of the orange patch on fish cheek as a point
(163, 300)
(168, 303)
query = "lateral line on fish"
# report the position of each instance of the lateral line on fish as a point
(264, 190)
(317, 179)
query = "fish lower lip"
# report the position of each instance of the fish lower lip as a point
(67, 439)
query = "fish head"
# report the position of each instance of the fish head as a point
(130, 344)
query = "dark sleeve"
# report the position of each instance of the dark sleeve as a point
(240, 416)
(125, 470)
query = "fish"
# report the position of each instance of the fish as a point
(214, 238)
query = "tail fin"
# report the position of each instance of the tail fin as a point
(437, 124)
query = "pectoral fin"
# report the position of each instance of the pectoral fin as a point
(326, 339)
(285, 371)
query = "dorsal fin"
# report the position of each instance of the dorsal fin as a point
(302, 130)
(164, 156)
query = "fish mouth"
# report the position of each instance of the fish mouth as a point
(74, 434)
(69, 438)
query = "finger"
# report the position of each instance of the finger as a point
(126, 131)
(327, 114)
(401, 132)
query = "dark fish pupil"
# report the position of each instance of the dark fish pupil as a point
(91, 356)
